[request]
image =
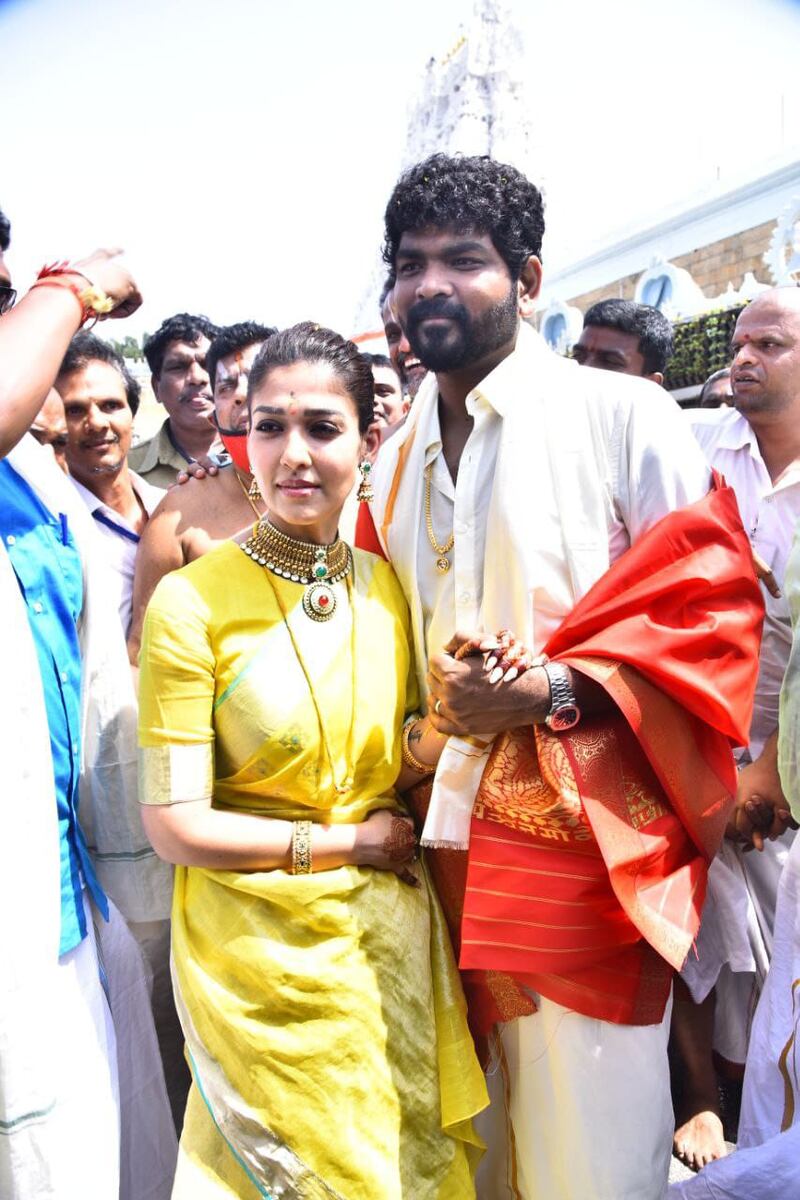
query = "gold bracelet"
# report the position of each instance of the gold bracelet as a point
(301, 847)
(409, 757)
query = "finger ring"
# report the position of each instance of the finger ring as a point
(437, 708)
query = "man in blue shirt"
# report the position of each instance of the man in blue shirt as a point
(47, 565)
(59, 1099)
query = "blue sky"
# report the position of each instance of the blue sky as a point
(242, 150)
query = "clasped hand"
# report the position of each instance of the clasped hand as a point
(761, 810)
(482, 684)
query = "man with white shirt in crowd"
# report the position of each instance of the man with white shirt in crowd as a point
(755, 445)
(100, 401)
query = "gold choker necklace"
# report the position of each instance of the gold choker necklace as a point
(318, 567)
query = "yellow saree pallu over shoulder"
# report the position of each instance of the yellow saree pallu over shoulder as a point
(323, 1013)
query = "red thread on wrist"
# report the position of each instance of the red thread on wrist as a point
(59, 282)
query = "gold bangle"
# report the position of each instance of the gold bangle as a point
(301, 847)
(409, 757)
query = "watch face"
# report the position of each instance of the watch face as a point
(564, 718)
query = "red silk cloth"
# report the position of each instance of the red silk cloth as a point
(366, 536)
(589, 850)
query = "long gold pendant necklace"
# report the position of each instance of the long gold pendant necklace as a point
(442, 561)
(346, 784)
(317, 567)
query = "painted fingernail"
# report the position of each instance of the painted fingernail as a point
(491, 663)
(496, 675)
(510, 675)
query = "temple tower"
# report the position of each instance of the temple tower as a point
(472, 100)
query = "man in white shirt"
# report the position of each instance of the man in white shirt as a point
(755, 445)
(516, 482)
(765, 1165)
(100, 401)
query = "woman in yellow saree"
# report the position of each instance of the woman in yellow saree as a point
(323, 1014)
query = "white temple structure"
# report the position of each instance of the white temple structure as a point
(472, 100)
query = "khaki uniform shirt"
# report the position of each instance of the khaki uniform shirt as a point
(158, 460)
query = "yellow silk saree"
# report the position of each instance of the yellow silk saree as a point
(323, 1014)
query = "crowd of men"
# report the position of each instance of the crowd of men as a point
(90, 521)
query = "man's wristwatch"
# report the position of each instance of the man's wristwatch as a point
(564, 712)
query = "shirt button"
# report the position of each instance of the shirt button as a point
(38, 607)
(74, 747)
(11, 540)
(465, 597)
(64, 676)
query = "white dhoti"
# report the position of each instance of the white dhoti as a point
(581, 1110)
(767, 1164)
(734, 944)
(153, 938)
(85, 1157)
(148, 1144)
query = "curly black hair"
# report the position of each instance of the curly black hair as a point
(468, 193)
(183, 327)
(648, 324)
(232, 338)
(308, 342)
(86, 348)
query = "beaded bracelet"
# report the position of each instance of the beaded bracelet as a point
(301, 847)
(409, 757)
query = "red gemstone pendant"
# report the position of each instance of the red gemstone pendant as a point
(319, 601)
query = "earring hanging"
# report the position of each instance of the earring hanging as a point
(365, 492)
(254, 492)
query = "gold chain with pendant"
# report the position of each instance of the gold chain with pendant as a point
(442, 561)
(345, 785)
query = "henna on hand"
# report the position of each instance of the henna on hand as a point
(400, 844)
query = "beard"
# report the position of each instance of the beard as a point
(466, 339)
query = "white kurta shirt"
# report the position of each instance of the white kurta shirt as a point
(770, 513)
(453, 600)
(647, 469)
(120, 540)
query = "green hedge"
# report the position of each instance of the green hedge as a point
(702, 346)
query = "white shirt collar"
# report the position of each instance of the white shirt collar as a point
(149, 495)
(497, 389)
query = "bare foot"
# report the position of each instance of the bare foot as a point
(700, 1140)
